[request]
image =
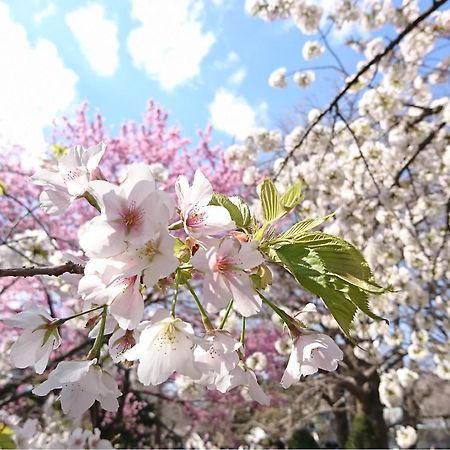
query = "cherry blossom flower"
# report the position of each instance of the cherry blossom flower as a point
(119, 342)
(151, 255)
(81, 384)
(39, 338)
(125, 212)
(406, 437)
(311, 352)
(219, 358)
(278, 78)
(75, 172)
(200, 218)
(224, 265)
(100, 285)
(165, 346)
(243, 376)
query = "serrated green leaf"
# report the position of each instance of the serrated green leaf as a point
(238, 209)
(334, 270)
(293, 196)
(297, 230)
(271, 201)
(310, 272)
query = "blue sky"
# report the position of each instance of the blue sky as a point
(203, 61)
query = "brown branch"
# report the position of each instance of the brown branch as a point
(373, 62)
(32, 271)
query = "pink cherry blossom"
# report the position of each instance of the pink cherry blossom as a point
(225, 264)
(125, 212)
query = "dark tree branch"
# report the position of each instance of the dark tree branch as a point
(54, 271)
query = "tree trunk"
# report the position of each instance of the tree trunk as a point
(340, 422)
(373, 408)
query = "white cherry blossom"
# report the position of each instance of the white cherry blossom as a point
(217, 357)
(151, 255)
(165, 346)
(38, 339)
(406, 437)
(200, 218)
(245, 377)
(311, 352)
(100, 285)
(81, 384)
(278, 78)
(72, 180)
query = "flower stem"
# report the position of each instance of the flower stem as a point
(205, 319)
(243, 331)
(95, 351)
(82, 313)
(225, 317)
(174, 300)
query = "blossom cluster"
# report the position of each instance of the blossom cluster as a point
(143, 239)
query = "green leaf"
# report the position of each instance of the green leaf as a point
(245, 213)
(334, 270)
(297, 231)
(271, 201)
(293, 196)
(238, 209)
(6, 440)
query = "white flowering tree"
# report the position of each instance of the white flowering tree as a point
(377, 156)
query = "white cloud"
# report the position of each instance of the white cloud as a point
(97, 37)
(230, 61)
(170, 44)
(35, 86)
(49, 10)
(232, 114)
(237, 77)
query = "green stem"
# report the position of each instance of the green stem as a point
(225, 317)
(290, 322)
(95, 351)
(174, 301)
(82, 313)
(243, 331)
(205, 319)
